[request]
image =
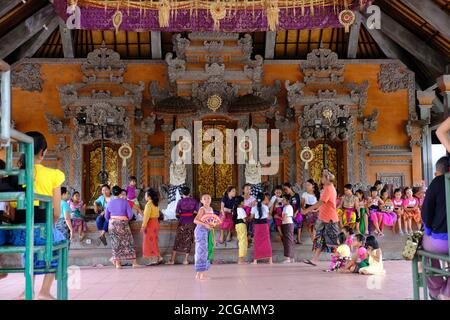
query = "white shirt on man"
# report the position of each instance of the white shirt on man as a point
(288, 213)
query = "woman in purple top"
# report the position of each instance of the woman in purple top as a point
(186, 210)
(119, 213)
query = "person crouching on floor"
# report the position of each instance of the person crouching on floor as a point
(359, 259)
(341, 256)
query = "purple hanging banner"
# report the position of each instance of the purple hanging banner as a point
(94, 18)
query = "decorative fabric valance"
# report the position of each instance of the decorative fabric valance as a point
(204, 15)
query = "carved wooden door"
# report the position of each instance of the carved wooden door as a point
(335, 162)
(92, 167)
(214, 178)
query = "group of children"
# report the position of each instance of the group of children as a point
(371, 214)
(356, 254)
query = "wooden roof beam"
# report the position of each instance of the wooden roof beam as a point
(26, 30)
(416, 47)
(353, 38)
(30, 47)
(431, 13)
(7, 6)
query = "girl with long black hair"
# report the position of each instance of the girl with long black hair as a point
(260, 214)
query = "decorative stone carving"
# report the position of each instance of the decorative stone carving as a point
(214, 86)
(392, 77)
(367, 125)
(103, 64)
(246, 45)
(27, 76)
(211, 36)
(396, 179)
(148, 125)
(285, 126)
(175, 67)
(213, 45)
(254, 69)
(55, 125)
(180, 45)
(323, 66)
(253, 173)
(415, 130)
(293, 91)
(215, 70)
(177, 174)
(331, 126)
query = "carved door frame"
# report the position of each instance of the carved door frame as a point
(86, 150)
(230, 124)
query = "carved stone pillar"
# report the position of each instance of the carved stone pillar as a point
(167, 128)
(425, 99)
(188, 124)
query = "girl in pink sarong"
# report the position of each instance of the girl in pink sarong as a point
(276, 208)
(389, 217)
(374, 203)
(260, 214)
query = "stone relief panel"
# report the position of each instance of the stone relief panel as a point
(27, 76)
(396, 179)
(392, 77)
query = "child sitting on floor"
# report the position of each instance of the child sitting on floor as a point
(342, 254)
(375, 266)
(359, 259)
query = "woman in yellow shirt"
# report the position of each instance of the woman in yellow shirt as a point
(47, 182)
(150, 228)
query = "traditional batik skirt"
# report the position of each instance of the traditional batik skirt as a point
(122, 242)
(227, 221)
(184, 238)
(376, 215)
(348, 217)
(326, 236)
(18, 238)
(414, 214)
(263, 247)
(63, 228)
(201, 248)
(150, 246)
(76, 222)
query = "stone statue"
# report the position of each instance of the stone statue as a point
(253, 173)
(177, 180)
(177, 174)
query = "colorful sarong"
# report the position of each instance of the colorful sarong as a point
(414, 214)
(362, 223)
(326, 236)
(278, 221)
(227, 221)
(63, 228)
(122, 241)
(241, 230)
(376, 215)
(349, 217)
(201, 248)
(288, 239)
(210, 246)
(76, 222)
(263, 247)
(184, 238)
(150, 246)
(389, 218)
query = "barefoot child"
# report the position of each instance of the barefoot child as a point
(260, 215)
(310, 198)
(150, 228)
(360, 258)
(373, 207)
(342, 254)
(239, 219)
(78, 207)
(412, 211)
(389, 217)
(288, 229)
(202, 263)
(226, 210)
(64, 224)
(375, 266)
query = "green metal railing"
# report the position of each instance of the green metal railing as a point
(425, 257)
(25, 200)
